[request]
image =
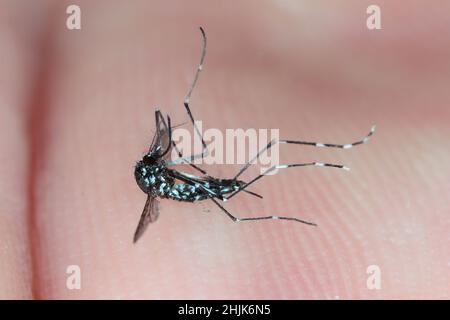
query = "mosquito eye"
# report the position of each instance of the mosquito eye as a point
(148, 160)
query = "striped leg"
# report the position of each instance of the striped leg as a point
(205, 151)
(333, 145)
(236, 219)
(187, 99)
(285, 166)
(314, 144)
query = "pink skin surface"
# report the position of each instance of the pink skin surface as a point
(76, 112)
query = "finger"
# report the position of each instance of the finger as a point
(101, 120)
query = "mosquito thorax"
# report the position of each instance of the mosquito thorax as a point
(149, 173)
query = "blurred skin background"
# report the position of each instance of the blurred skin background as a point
(76, 112)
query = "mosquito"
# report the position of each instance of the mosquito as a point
(156, 177)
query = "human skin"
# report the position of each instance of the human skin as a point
(77, 110)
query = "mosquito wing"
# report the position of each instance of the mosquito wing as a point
(161, 139)
(149, 215)
(166, 143)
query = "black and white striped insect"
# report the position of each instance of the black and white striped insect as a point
(156, 177)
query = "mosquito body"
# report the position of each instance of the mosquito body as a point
(157, 180)
(156, 177)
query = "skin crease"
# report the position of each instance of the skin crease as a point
(15, 264)
(309, 68)
(19, 36)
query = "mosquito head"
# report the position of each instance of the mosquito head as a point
(149, 159)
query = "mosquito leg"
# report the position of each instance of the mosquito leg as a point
(236, 219)
(314, 144)
(285, 166)
(159, 116)
(249, 163)
(187, 159)
(187, 99)
(180, 154)
(160, 121)
(184, 160)
(333, 145)
(253, 193)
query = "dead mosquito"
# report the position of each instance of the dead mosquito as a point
(154, 175)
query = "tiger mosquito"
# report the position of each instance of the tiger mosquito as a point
(156, 177)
